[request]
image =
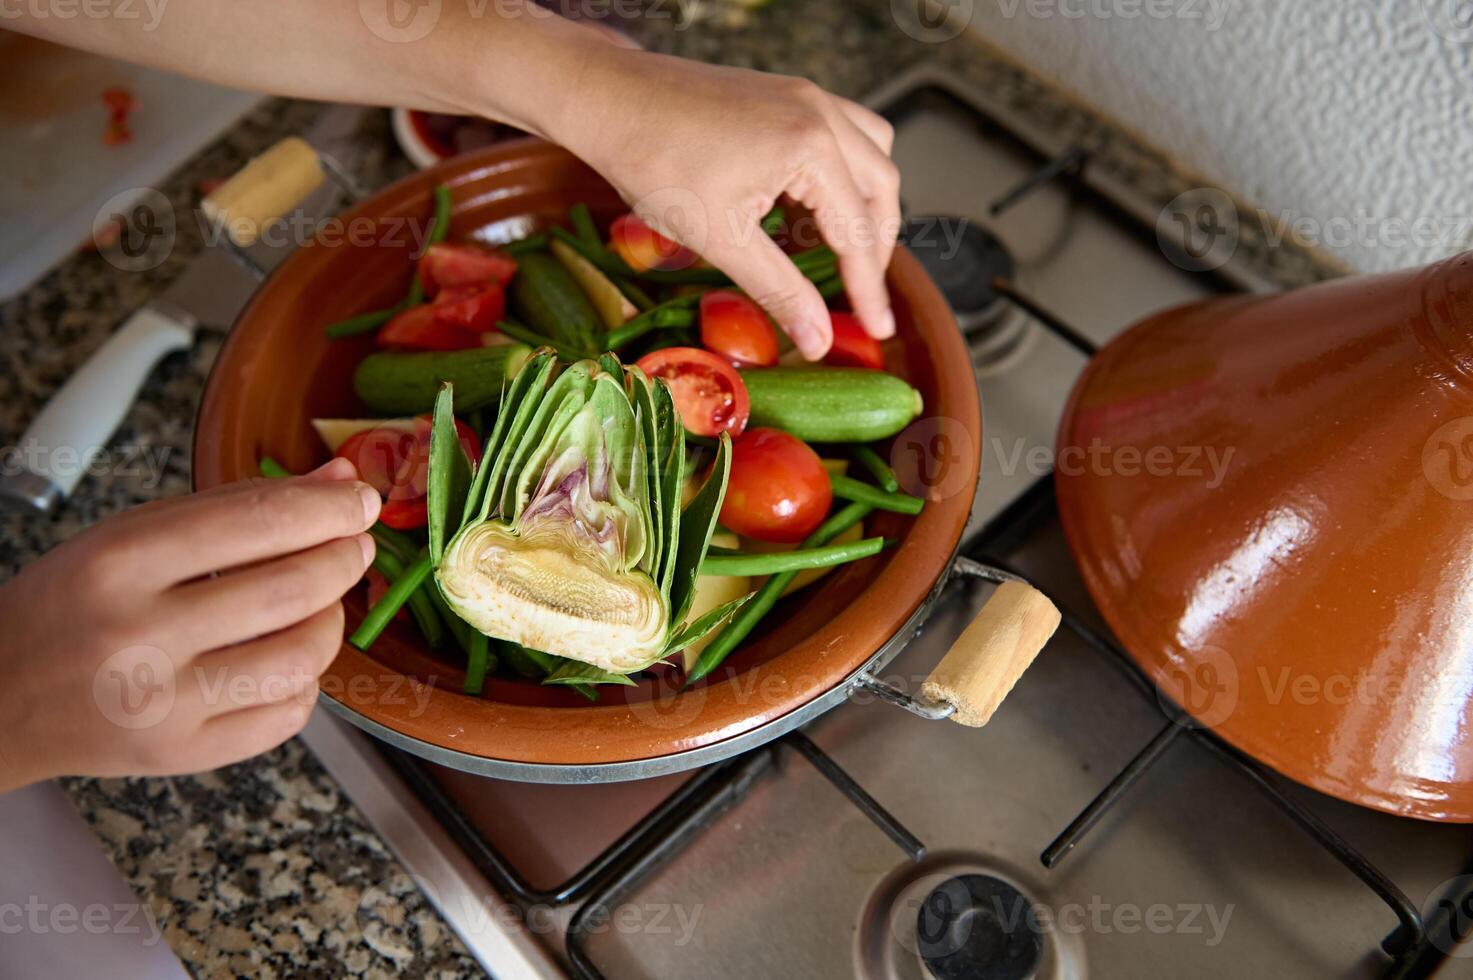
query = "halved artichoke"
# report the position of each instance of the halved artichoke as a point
(569, 538)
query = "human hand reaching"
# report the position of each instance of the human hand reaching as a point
(124, 654)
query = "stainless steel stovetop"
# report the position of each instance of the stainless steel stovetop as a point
(762, 867)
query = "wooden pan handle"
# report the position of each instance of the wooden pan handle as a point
(265, 189)
(991, 654)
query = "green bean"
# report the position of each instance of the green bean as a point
(400, 591)
(529, 336)
(439, 228)
(404, 588)
(771, 563)
(651, 319)
(877, 467)
(772, 221)
(583, 225)
(273, 470)
(747, 617)
(363, 322)
(395, 542)
(532, 243)
(476, 662)
(852, 489)
(634, 294)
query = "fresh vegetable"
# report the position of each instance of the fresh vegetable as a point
(362, 323)
(273, 470)
(709, 394)
(747, 617)
(823, 404)
(420, 608)
(712, 592)
(877, 467)
(335, 432)
(400, 589)
(736, 328)
(568, 540)
(420, 329)
(853, 347)
(643, 248)
(406, 383)
(378, 454)
(474, 309)
(779, 489)
(852, 489)
(439, 228)
(612, 306)
(547, 298)
(797, 560)
(453, 264)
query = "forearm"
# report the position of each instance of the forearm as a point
(505, 59)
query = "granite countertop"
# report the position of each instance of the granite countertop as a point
(265, 868)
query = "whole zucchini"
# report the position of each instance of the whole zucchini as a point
(394, 383)
(549, 300)
(824, 404)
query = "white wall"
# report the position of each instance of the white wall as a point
(1353, 116)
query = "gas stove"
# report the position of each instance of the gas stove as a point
(1088, 831)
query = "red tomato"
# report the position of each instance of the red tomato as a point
(709, 395)
(418, 328)
(405, 515)
(737, 329)
(779, 490)
(473, 308)
(644, 248)
(413, 475)
(852, 346)
(377, 454)
(455, 264)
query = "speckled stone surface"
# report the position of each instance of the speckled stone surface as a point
(266, 868)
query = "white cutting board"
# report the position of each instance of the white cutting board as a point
(55, 171)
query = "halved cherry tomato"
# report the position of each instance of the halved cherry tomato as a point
(418, 328)
(473, 308)
(413, 475)
(709, 395)
(852, 346)
(644, 248)
(737, 329)
(405, 515)
(377, 454)
(456, 264)
(779, 489)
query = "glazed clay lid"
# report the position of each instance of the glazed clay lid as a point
(1271, 501)
(277, 371)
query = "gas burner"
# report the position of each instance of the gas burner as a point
(962, 916)
(977, 927)
(964, 259)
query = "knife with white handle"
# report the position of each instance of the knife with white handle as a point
(74, 428)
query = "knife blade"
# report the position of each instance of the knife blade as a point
(75, 425)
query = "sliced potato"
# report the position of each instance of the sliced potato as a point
(713, 591)
(335, 432)
(613, 306)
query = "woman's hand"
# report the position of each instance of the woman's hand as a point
(123, 654)
(702, 152)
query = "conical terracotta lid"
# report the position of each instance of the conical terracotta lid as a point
(1271, 500)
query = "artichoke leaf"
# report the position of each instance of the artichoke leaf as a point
(558, 405)
(691, 632)
(449, 477)
(697, 524)
(576, 672)
(517, 405)
(672, 446)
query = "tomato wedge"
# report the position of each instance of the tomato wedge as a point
(418, 328)
(397, 464)
(456, 264)
(473, 308)
(737, 329)
(644, 248)
(709, 395)
(779, 489)
(412, 477)
(852, 346)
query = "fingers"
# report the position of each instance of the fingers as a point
(873, 125)
(876, 177)
(251, 523)
(272, 669)
(239, 735)
(767, 275)
(253, 602)
(836, 202)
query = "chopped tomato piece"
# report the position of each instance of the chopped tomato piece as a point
(377, 454)
(852, 346)
(709, 395)
(456, 264)
(473, 308)
(644, 248)
(413, 475)
(405, 515)
(736, 328)
(418, 328)
(778, 490)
